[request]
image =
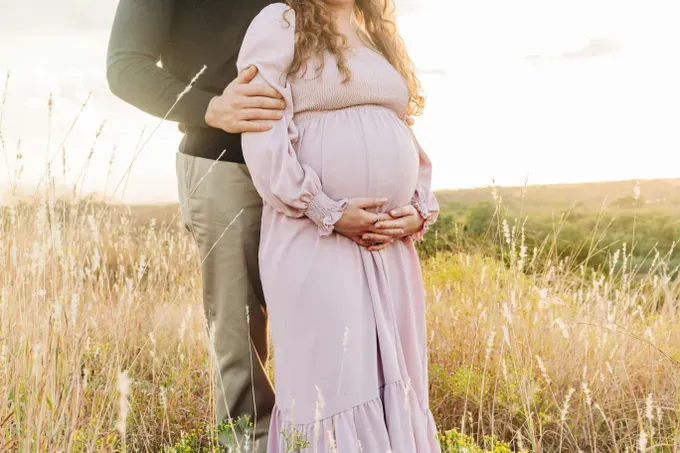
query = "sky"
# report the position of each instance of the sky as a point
(542, 91)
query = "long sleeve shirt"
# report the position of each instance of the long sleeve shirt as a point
(158, 46)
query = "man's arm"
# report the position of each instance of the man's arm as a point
(140, 29)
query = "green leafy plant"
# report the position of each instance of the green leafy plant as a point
(295, 440)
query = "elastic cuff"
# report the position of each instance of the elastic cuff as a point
(418, 203)
(325, 212)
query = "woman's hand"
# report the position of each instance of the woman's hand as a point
(377, 231)
(357, 219)
(403, 222)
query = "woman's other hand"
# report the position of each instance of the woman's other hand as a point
(406, 219)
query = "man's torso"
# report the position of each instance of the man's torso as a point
(209, 33)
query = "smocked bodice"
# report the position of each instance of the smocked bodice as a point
(374, 81)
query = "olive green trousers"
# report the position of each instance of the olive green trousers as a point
(222, 210)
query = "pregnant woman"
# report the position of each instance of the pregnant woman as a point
(347, 321)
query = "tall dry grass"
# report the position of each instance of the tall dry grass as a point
(90, 299)
(103, 344)
(561, 361)
(551, 354)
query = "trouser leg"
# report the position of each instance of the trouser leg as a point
(223, 211)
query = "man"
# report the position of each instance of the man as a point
(218, 200)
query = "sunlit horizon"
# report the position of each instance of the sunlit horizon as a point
(531, 91)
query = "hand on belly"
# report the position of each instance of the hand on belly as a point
(377, 231)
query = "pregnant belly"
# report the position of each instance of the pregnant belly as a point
(361, 151)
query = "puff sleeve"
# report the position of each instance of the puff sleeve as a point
(290, 187)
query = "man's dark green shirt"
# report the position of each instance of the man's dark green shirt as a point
(183, 36)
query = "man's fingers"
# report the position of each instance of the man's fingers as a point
(259, 89)
(367, 203)
(247, 74)
(252, 126)
(261, 114)
(261, 102)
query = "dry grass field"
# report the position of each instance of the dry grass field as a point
(103, 345)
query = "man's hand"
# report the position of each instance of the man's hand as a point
(245, 108)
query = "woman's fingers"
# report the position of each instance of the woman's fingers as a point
(395, 233)
(403, 211)
(368, 203)
(377, 238)
(377, 248)
(359, 241)
(399, 223)
(383, 216)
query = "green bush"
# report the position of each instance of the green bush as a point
(454, 442)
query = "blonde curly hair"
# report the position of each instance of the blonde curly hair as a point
(317, 32)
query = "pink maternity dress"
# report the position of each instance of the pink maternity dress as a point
(347, 324)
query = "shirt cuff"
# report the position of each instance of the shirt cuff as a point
(325, 212)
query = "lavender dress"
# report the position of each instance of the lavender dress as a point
(347, 324)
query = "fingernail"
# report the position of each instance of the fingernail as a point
(393, 212)
(365, 238)
(384, 200)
